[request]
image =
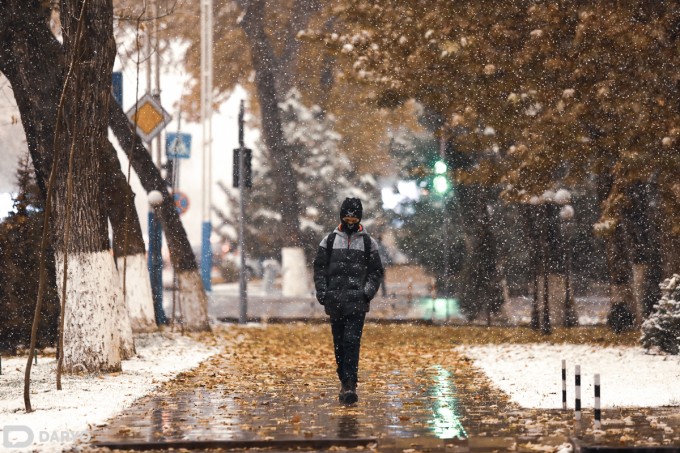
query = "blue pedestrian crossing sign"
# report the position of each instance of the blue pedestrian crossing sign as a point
(178, 145)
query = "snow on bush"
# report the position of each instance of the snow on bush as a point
(662, 329)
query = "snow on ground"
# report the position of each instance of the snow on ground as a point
(60, 417)
(532, 374)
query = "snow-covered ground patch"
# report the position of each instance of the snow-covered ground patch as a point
(532, 374)
(61, 417)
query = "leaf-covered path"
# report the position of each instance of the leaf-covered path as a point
(278, 382)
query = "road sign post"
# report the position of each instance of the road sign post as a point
(242, 185)
(155, 260)
(117, 87)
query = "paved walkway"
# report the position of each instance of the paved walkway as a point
(275, 387)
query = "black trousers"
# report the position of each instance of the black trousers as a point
(347, 332)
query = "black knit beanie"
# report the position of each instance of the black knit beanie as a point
(351, 207)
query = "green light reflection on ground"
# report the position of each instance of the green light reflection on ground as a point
(446, 423)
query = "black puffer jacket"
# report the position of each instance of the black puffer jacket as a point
(347, 282)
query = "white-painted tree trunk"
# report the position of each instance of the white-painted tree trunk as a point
(639, 283)
(122, 321)
(296, 281)
(557, 298)
(138, 296)
(92, 330)
(193, 302)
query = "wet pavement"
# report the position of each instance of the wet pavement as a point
(275, 386)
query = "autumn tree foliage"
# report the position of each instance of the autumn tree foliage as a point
(537, 95)
(258, 47)
(558, 90)
(324, 175)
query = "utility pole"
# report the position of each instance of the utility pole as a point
(206, 119)
(242, 277)
(155, 261)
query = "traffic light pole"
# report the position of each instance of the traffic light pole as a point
(242, 277)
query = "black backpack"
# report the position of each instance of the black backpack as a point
(331, 239)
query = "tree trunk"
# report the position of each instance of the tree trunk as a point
(533, 239)
(194, 300)
(556, 267)
(263, 60)
(95, 321)
(33, 60)
(482, 292)
(621, 281)
(646, 253)
(287, 63)
(129, 250)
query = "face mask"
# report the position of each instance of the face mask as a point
(350, 224)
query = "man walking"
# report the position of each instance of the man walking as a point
(347, 274)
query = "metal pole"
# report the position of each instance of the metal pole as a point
(546, 327)
(577, 392)
(243, 284)
(157, 73)
(564, 385)
(159, 157)
(598, 410)
(570, 312)
(151, 224)
(156, 266)
(206, 119)
(535, 316)
(156, 229)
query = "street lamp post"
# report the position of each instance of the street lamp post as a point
(549, 202)
(567, 214)
(546, 326)
(534, 202)
(155, 259)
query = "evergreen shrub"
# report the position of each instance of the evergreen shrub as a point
(662, 329)
(20, 236)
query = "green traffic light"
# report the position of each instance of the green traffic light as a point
(440, 184)
(440, 167)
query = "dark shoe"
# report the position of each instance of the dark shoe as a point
(343, 391)
(350, 394)
(351, 397)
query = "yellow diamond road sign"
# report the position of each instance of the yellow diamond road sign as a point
(149, 117)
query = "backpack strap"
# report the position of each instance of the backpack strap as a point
(329, 246)
(329, 251)
(367, 249)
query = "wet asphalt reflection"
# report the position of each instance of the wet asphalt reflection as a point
(260, 391)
